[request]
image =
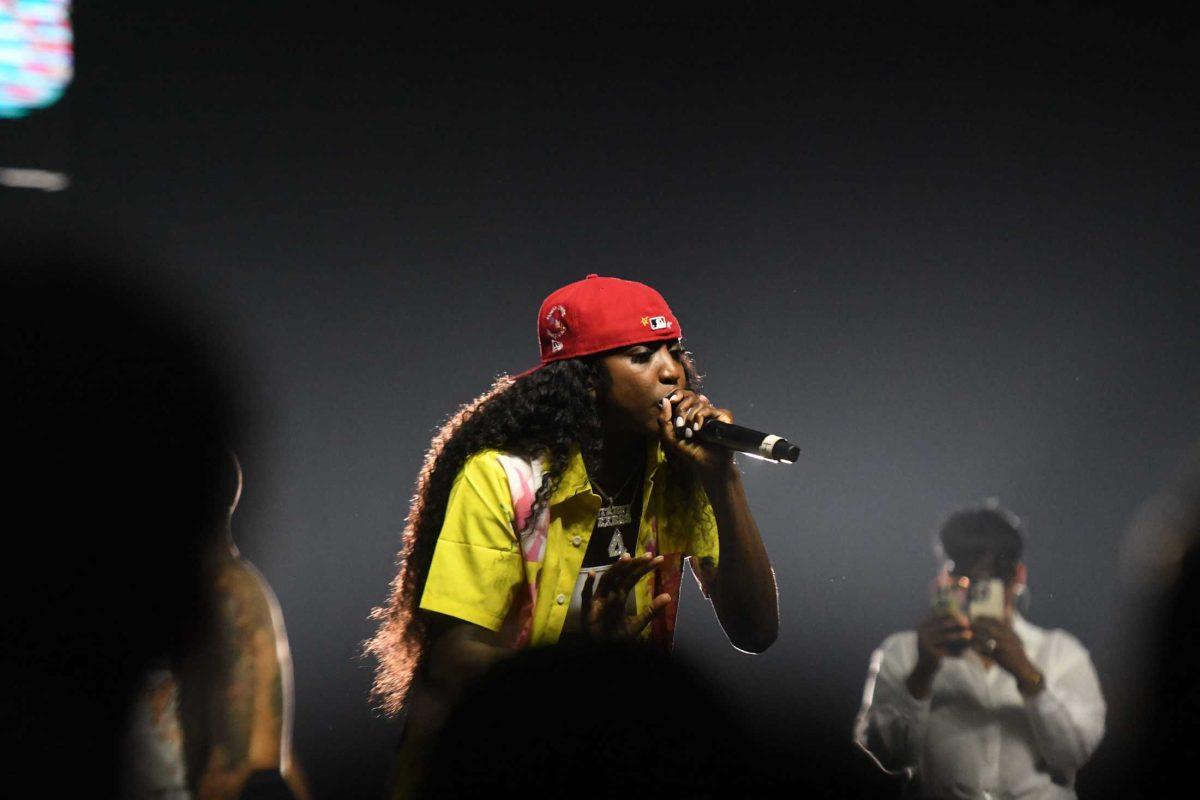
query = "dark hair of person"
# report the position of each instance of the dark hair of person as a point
(971, 534)
(548, 413)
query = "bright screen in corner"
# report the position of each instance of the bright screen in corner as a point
(36, 54)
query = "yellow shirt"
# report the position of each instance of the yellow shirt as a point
(485, 572)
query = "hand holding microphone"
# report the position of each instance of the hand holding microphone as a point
(689, 416)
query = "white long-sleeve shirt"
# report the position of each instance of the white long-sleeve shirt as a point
(975, 736)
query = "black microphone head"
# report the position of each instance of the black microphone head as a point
(783, 450)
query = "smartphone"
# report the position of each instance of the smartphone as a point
(986, 599)
(951, 597)
(950, 594)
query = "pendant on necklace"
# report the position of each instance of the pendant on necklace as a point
(614, 515)
(616, 547)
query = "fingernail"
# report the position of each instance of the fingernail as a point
(679, 422)
(687, 434)
(696, 426)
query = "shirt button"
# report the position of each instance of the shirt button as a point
(578, 540)
(562, 598)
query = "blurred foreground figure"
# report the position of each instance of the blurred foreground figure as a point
(215, 724)
(1161, 561)
(114, 422)
(593, 720)
(978, 702)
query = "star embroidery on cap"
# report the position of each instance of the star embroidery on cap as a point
(645, 322)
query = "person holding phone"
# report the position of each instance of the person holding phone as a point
(977, 701)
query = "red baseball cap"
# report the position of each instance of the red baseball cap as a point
(598, 314)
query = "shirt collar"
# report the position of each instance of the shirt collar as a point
(575, 481)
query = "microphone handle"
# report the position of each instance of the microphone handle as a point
(746, 440)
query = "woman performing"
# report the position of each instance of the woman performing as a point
(562, 503)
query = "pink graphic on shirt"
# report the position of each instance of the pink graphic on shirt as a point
(524, 478)
(523, 481)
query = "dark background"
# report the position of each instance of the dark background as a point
(952, 255)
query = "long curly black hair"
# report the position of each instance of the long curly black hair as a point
(547, 413)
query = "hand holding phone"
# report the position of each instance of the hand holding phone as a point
(946, 631)
(986, 599)
(950, 594)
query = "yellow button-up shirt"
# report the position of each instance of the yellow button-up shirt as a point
(492, 569)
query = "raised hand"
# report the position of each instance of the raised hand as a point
(605, 599)
(996, 639)
(940, 635)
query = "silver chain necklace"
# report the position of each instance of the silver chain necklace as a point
(613, 515)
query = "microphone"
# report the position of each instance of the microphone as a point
(746, 440)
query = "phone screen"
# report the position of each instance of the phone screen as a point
(950, 594)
